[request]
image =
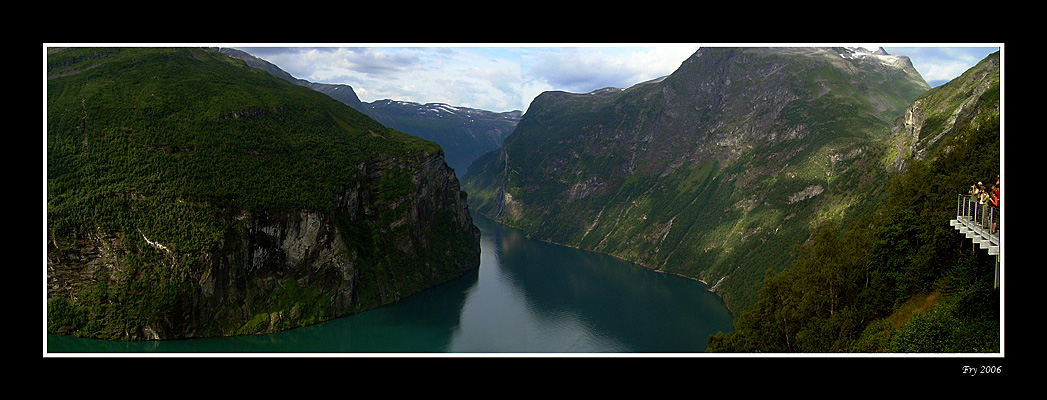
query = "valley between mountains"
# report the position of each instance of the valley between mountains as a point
(732, 170)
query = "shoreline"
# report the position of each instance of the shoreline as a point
(709, 288)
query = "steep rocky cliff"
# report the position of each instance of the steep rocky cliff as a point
(713, 172)
(276, 270)
(936, 114)
(181, 206)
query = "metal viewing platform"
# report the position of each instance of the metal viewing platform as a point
(981, 224)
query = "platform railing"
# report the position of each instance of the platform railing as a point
(983, 215)
(980, 223)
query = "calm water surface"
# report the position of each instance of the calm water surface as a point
(527, 296)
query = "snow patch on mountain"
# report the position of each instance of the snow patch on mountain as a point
(440, 107)
(865, 52)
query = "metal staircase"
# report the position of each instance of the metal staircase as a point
(981, 224)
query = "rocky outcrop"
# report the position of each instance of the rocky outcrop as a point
(712, 172)
(937, 114)
(279, 269)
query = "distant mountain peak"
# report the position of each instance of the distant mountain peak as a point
(862, 50)
(605, 90)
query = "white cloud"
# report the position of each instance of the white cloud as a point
(494, 78)
(584, 69)
(938, 65)
(503, 78)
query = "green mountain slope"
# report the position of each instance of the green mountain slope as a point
(901, 280)
(715, 172)
(191, 195)
(940, 113)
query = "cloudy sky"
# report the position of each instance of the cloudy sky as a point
(508, 77)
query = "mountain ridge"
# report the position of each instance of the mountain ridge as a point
(900, 280)
(703, 173)
(464, 135)
(942, 111)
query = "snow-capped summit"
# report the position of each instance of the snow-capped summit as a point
(864, 51)
(869, 50)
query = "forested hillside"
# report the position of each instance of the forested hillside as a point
(899, 279)
(191, 195)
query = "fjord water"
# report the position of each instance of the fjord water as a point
(527, 296)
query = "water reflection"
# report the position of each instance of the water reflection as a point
(589, 302)
(512, 309)
(527, 296)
